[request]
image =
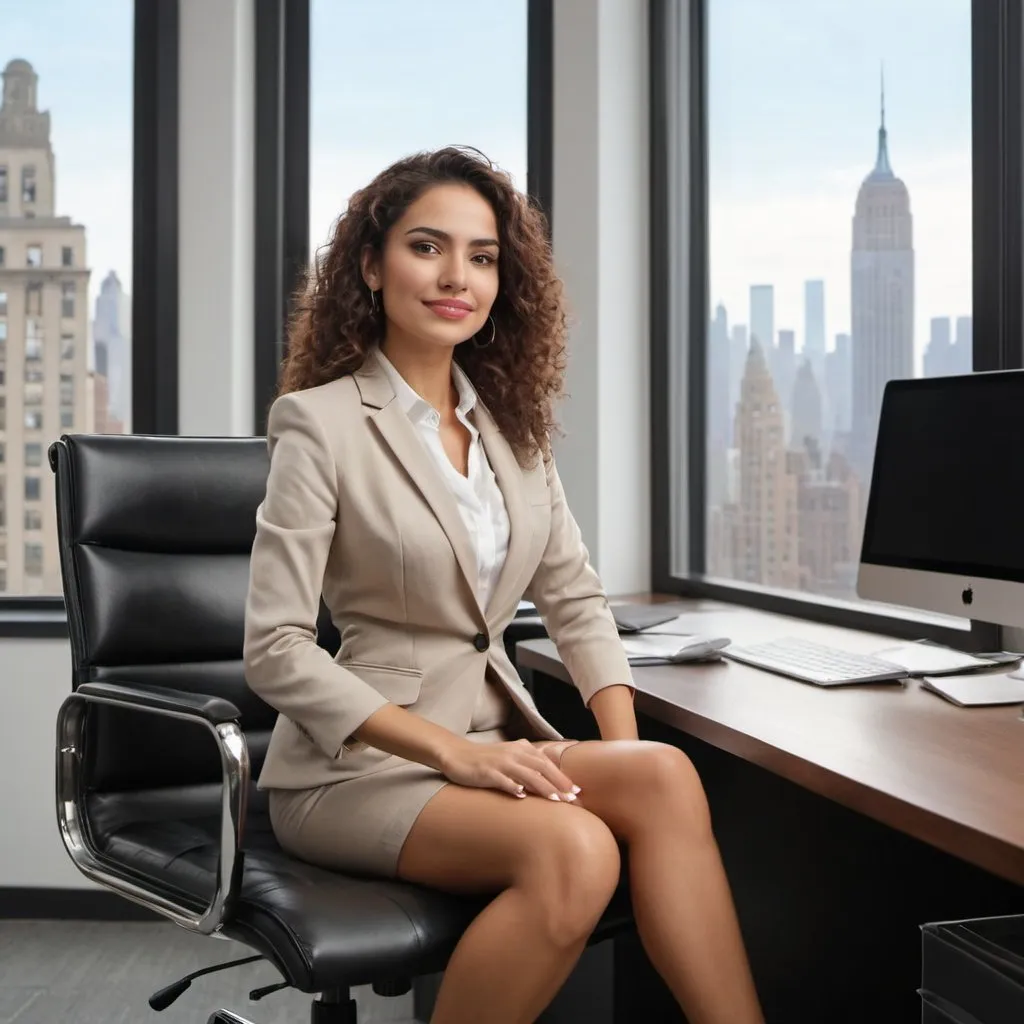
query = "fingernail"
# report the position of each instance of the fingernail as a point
(576, 789)
(554, 796)
(521, 796)
(570, 797)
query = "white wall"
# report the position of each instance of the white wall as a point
(215, 263)
(600, 238)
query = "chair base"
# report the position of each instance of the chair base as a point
(334, 1008)
(328, 1008)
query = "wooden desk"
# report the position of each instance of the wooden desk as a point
(831, 901)
(953, 777)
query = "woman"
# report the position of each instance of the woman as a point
(412, 484)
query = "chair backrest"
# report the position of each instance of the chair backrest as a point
(155, 535)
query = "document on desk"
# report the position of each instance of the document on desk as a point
(663, 648)
(977, 689)
(931, 659)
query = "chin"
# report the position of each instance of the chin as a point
(446, 335)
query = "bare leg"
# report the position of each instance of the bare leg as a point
(649, 795)
(554, 867)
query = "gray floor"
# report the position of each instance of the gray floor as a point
(91, 972)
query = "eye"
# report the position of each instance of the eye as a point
(485, 259)
(424, 247)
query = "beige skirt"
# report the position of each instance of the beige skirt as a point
(360, 825)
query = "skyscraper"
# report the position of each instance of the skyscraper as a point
(719, 410)
(938, 356)
(46, 386)
(837, 384)
(762, 317)
(963, 347)
(814, 326)
(760, 531)
(111, 331)
(806, 430)
(882, 296)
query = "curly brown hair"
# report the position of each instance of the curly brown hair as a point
(520, 375)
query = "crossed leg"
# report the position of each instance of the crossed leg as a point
(555, 866)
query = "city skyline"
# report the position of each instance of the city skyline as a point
(788, 148)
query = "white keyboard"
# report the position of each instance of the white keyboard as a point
(815, 663)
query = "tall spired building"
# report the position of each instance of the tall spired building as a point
(881, 296)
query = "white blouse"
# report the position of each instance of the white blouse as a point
(478, 496)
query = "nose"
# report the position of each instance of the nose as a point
(453, 273)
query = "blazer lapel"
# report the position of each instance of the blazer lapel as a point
(509, 586)
(401, 437)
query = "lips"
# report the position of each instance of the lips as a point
(450, 309)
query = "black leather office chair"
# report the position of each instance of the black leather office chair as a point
(160, 739)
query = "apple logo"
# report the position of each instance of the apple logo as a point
(967, 596)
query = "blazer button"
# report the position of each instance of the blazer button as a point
(480, 642)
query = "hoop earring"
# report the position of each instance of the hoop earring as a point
(484, 344)
(373, 302)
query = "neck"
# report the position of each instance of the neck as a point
(428, 371)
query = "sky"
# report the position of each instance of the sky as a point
(397, 76)
(83, 55)
(793, 126)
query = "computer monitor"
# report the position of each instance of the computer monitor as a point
(944, 527)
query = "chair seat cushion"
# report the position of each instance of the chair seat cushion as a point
(321, 929)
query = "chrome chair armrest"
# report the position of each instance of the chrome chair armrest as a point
(221, 718)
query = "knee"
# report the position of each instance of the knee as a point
(574, 873)
(668, 783)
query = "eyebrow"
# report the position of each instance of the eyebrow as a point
(445, 237)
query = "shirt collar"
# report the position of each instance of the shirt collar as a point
(417, 408)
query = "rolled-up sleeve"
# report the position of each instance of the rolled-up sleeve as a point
(295, 527)
(573, 605)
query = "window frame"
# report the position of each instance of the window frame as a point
(154, 266)
(679, 255)
(281, 220)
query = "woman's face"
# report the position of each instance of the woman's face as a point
(438, 277)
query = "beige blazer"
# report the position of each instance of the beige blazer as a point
(357, 510)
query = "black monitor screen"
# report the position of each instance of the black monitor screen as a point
(945, 491)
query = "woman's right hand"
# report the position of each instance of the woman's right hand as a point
(516, 768)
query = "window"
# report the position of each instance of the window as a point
(3, 332)
(349, 144)
(33, 559)
(3, 452)
(28, 184)
(3, 255)
(3, 184)
(810, 319)
(832, 211)
(3, 303)
(51, 85)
